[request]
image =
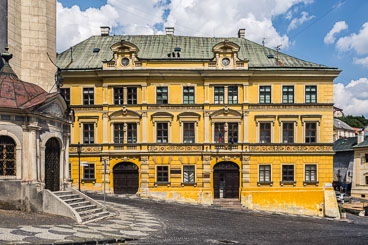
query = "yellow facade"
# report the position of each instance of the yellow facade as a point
(247, 114)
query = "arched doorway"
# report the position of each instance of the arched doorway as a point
(7, 156)
(126, 178)
(52, 165)
(226, 180)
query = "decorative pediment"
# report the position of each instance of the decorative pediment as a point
(124, 47)
(226, 113)
(162, 114)
(188, 115)
(226, 47)
(125, 113)
(56, 107)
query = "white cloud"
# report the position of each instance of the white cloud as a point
(361, 61)
(353, 97)
(357, 42)
(296, 22)
(189, 17)
(337, 28)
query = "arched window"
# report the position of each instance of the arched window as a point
(7, 156)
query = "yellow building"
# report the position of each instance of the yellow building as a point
(196, 119)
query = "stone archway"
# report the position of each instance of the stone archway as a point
(52, 165)
(126, 178)
(226, 180)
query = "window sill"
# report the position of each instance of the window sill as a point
(162, 184)
(270, 183)
(311, 183)
(282, 183)
(189, 184)
(88, 181)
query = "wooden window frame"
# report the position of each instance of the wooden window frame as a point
(192, 129)
(118, 96)
(288, 93)
(288, 131)
(132, 129)
(264, 181)
(193, 170)
(217, 95)
(308, 94)
(232, 93)
(264, 95)
(307, 130)
(308, 174)
(187, 94)
(160, 174)
(88, 96)
(261, 140)
(159, 91)
(162, 130)
(230, 132)
(90, 170)
(65, 92)
(119, 129)
(216, 135)
(132, 95)
(288, 180)
(89, 133)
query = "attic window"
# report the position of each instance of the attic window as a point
(177, 49)
(270, 56)
(96, 50)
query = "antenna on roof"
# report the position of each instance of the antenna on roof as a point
(263, 41)
(59, 81)
(71, 54)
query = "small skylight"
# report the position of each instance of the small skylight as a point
(270, 56)
(177, 49)
(96, 50)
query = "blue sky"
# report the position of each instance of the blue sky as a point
(299, 25)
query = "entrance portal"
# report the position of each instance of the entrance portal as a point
(52, 165)
(126, 178)
(226, 180)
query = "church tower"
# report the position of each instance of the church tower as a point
(28, 28)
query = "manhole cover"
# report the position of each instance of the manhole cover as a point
(222, 241)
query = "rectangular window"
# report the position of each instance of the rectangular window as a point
(119, 133)
(89, 171)
(70, 170)
(232, 95)
(162, 133)
(310, 94)
(219, 132)
(264, 173)
(288, 173)
(219, 95)
(189, 136)
(265, 94)
(233, 132)
(88, 133)
(162, 95)
(188, 174)
(132, 96)
(188, 95)
(162, 174)
(288, 132)
(265, 132)
(118, 96)
(65, 92)
(311, 132)
(366, 158)
(132, 133)
(288, 94)
(366, 180)
(88, 96)
(310, 173)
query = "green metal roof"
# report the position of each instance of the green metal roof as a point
(363, 144)
(192, 48)
(345, 144)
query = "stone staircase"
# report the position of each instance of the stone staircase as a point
(228, 203)
(84, 208)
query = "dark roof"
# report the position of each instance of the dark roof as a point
(15, 93)
(342, 125)
(157, 47)
(345, 144)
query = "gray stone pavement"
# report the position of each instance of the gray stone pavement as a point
(22, 228)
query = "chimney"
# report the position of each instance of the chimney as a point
(105, 30)
(361, 136)
(241, 33)
(169, 31)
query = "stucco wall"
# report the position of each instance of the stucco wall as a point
(3, 26)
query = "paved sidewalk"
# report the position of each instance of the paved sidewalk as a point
(132, 222)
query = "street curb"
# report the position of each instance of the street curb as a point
(92, 242)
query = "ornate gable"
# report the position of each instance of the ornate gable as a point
(125, 113)
(226, 113)
(125, 56)
(226, 56)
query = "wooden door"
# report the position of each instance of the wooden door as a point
(226, 177)
(52, 165)
(126, 178)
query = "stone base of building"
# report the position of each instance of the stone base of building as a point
(360, 193)
(21, 195)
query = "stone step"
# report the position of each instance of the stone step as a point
(62, 193)
(78, 204)
(69, 196)
(73, 200)
(85, 207)
(94, 217)
(90, 211)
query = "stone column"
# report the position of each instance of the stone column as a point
(144, 171)
(105, 128)
(144, 127)
(30, 152)
(226, 133)
(245, 127)
(226, 92)
(144, 94)
(245, 177)
(125, 133)
(206, 94)
(206, 127)
(125, 95)
(207, 198)
(213, 132)
(107, 175)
